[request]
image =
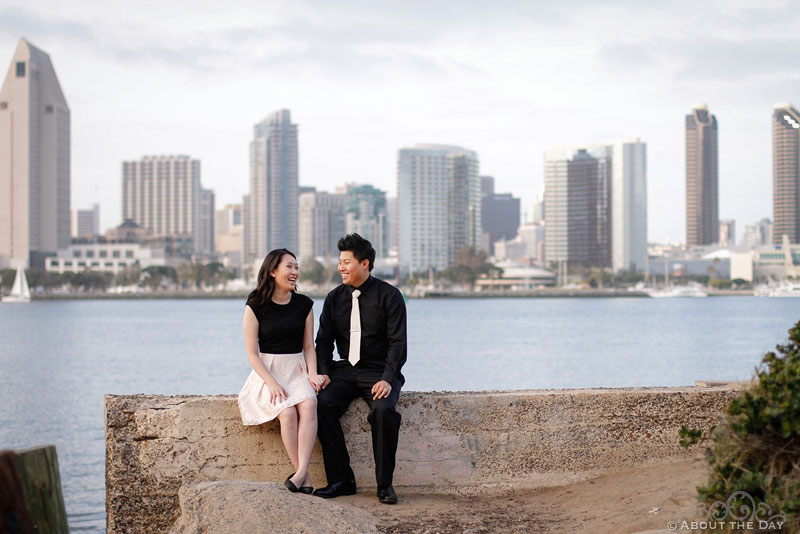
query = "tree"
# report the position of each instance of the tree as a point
(157, 276)
(7, 278)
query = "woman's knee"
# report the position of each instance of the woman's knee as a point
(307, 408)
(288, 416)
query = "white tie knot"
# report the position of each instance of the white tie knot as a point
(356, 293)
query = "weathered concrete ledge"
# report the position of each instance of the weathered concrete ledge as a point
(449, 442)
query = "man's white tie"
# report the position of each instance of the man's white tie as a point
(355, 331)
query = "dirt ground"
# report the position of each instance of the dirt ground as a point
(639, 500)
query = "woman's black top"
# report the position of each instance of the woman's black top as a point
(281, 326)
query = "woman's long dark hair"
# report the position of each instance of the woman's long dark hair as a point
(262, 294)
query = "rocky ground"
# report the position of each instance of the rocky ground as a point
(635, 501)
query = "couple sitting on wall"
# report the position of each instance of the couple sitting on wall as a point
(304, 387)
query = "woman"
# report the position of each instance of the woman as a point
(278, 335)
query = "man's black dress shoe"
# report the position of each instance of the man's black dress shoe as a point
(345, 487)
(387, 495)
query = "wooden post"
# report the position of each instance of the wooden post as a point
(30, 492)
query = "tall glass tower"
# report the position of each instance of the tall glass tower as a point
(702, 178)
(785, 173)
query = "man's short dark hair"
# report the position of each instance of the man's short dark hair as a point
(360, 247)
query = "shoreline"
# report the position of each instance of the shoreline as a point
(538, 293)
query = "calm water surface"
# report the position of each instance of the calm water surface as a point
(58, 359)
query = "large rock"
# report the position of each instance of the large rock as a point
(263, 507)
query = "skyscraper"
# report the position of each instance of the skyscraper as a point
(367, 216)
(271, 211)
(35, 156)
(438, 202)
(205, 222)
(785, 173)
(628, 205)
(702, 189)
(162, 194)
(577, 205)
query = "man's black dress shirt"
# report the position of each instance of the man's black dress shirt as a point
(383, 329)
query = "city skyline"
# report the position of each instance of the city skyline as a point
(361, 82)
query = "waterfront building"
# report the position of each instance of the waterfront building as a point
(727, 232)
(767, 262)
(500, 214)
(322, 223)
(271, 207)
(86, 222)
(35, 156)
(162, 194)
(438, 205)
(577, 199)
(628, 205)
(517, 276)
(527, 246)
(786, 173)
(758, 234)
(702, 178)
(367, 216)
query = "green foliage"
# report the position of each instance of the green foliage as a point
(312, 271)
(7, 278)
(719, 283)
(756, 448)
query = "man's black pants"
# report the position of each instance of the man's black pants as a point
(348, 383)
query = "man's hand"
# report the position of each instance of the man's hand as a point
(381, 390)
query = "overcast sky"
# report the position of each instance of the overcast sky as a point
(365, 78)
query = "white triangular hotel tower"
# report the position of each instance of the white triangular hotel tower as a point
(34, 161)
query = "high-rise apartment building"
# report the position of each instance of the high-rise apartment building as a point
(439, 208)
(162, 194)
(391, 223)
(86, 223)
(271, 212)
(702, 178)
(577, 205)
(628, 205)
(367, 216)
(785, 173)
(322, 223)
(34, 161)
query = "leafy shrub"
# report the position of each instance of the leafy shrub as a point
(756, 448)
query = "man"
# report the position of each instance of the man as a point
(366, 318)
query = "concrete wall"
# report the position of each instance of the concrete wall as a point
(449, 442)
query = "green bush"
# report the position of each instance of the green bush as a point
(756, 448)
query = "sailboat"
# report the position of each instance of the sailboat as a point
(20, 292)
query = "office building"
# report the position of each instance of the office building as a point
(367, 216)
(577, 205)
(758, 234)
(702, 178)
(86, 223)
(727, 232)
(271, 210)
(229, 236)
(500, 214)
(34, 161)
(323, 221)
(205, 220)
(391, 223)
(628, 205)
(786, 173)
(438, 206)
(162, 194)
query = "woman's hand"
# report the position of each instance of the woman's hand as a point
(276, 393)
(316, 381)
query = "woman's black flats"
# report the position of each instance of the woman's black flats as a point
(307, 490)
